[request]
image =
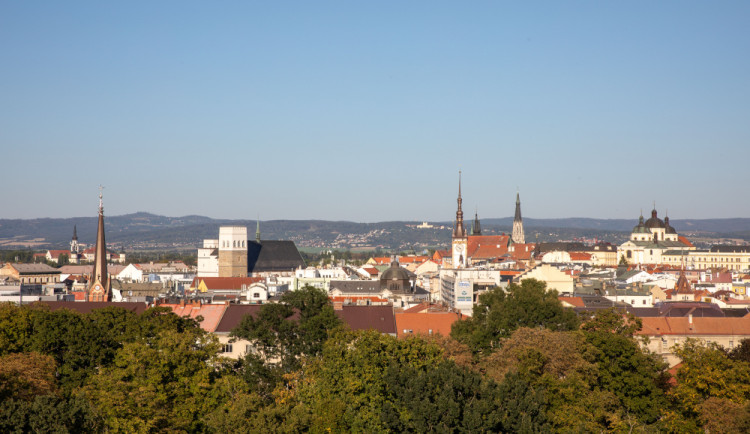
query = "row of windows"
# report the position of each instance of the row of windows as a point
(235, 244)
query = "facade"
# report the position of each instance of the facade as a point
(208, 259)
(554, 278)
(733, 258)
(460, 288)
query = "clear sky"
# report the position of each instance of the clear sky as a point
(366, 111)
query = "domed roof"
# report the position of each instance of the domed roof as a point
(654, 222)
(395, 272)
(669, 228)
(641, 228)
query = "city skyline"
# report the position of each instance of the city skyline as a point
(366, 113)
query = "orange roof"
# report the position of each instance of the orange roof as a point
(573, 301)
(655, 326)
(382, 260)
(487, 246)
(440, 254)
(579, 256)
(523, 251)
(372, 271)
(510, 272)
(423, 323)
(685, 241)
(412, 259)
(211, 313)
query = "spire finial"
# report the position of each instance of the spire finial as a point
(101, 204)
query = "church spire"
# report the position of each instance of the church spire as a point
(476, 228)
(517, 235)
(459, 231)
(257, 230)
(99, 289)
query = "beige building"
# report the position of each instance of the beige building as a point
(553, 277)
(31, 273)
(733, 258)
(665, 332)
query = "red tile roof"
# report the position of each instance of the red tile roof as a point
(425, 323)
(655, 326)
(211, 313)
(487, 246)
(579, 256)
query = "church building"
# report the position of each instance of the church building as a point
(650, 239)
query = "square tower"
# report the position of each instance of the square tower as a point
(233, 251)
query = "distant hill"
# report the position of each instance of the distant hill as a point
(149, 231)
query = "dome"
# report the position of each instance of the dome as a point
(395, 272)
(641, 228)
(395, 278)
(654, 222)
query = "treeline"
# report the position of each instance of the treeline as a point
(522, 363)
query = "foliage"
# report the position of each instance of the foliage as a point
(499, 313)
(612, 320)
(152, 387)
(26, 375)
(15, 328)
(636, 377)
(284, 332)
(48, 414)
(707, 372)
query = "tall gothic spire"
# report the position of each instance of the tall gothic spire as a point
(75, 233)
(517, 235)
(257, 230)
(476, 228)
(99, 289)
(459, 231)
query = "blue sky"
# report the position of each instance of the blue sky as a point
(367, 111)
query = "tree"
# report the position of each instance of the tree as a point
(63, 259)
(707, 372)
(636, 377)
(295, 327)
(15, 328)
(26, 375)
(163, 385)
(499, 313)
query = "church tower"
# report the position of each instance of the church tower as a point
(476, 228)
(100, 285)
(460, 239)
(233, 251)
(517, 235)
(74, 247)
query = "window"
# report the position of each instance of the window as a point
(226, 348)
(256, 295)
(407, 331)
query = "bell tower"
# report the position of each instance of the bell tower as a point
(460, 238)
(517, 235)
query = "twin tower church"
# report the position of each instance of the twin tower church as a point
(467, 245)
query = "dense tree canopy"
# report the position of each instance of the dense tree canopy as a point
(501, 311)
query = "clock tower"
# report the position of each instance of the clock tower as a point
(460, 238)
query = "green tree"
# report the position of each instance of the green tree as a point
(707, 372)
(282, 333)
(15, 328)
(500, 312)
(165, 385)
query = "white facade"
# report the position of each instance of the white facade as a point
(460, 288)
(208, 259)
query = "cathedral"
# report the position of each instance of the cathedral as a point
(100, 283)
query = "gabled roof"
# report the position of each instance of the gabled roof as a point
(378, 318)
(273, 255)
(487, 246)
(695, 326)
(579, 256)
(425, 323)
(233, 316)
(211, 313)
(34, 269)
